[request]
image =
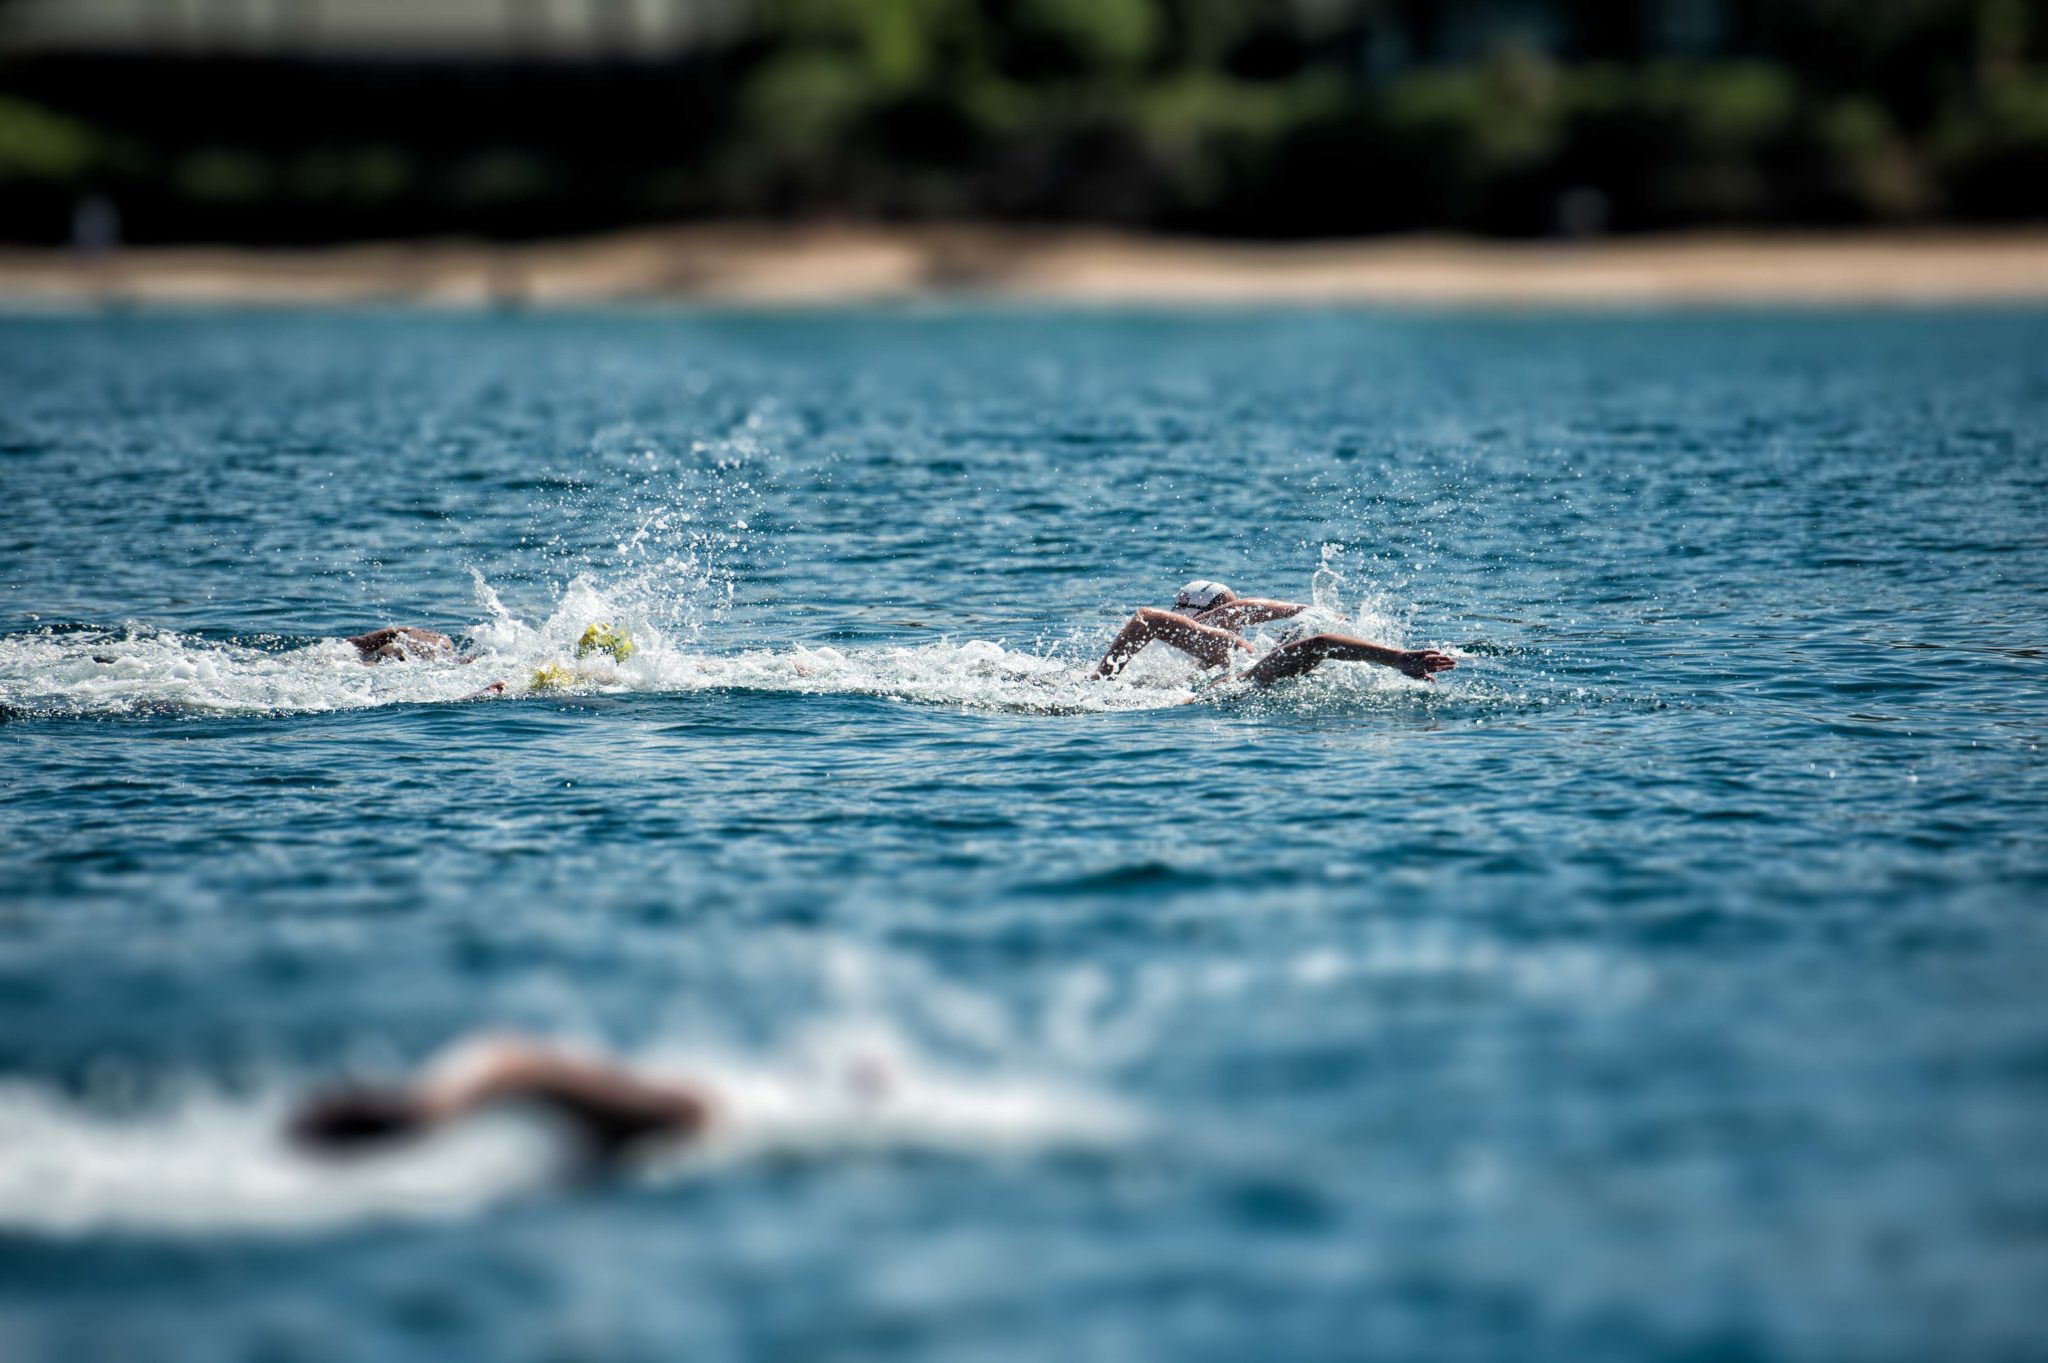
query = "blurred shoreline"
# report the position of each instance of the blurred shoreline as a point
(831, 264)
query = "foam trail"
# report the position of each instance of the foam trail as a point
(90, 671)
(858, 1086)
(144, 671)
(208, 1163)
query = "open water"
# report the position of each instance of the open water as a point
(1666, 981)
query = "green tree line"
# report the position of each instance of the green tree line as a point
(1240, 117)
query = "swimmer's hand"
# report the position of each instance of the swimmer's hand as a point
(1419, 663)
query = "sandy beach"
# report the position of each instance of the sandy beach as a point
(785, 265)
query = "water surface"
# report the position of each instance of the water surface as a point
(1662, 982)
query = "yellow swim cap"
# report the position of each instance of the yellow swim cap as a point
(602, 638)
(550, 677)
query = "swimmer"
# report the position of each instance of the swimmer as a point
(598, 638)
(612, 1109)
(408, 643)
(1207, 623)
(402, 644)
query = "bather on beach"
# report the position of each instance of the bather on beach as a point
(1207, 623)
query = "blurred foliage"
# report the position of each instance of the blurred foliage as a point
(1078, 37)
(38, 145)
(1992, 153)
(1255, 117)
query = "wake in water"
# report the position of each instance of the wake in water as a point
(212, 1162)
(84, 670)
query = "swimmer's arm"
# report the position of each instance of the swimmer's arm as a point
(1304, 655)
(606, 1099)
(1250, 610)
(1204, 643)
(398, 643)
(611, 1106)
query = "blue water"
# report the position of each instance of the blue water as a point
(1663, 982)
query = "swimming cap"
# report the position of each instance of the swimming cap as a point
(1199, 595)
(602, 638)
(550, 677)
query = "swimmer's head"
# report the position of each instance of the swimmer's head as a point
(603, 638)
(551, 677)
(1201, 595)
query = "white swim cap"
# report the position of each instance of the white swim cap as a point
(1199, 595)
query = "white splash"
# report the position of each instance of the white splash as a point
(209, 1163)
(852, 1086)
(139, 670)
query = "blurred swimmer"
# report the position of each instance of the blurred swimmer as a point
(1207, 623)
(611, 1108)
